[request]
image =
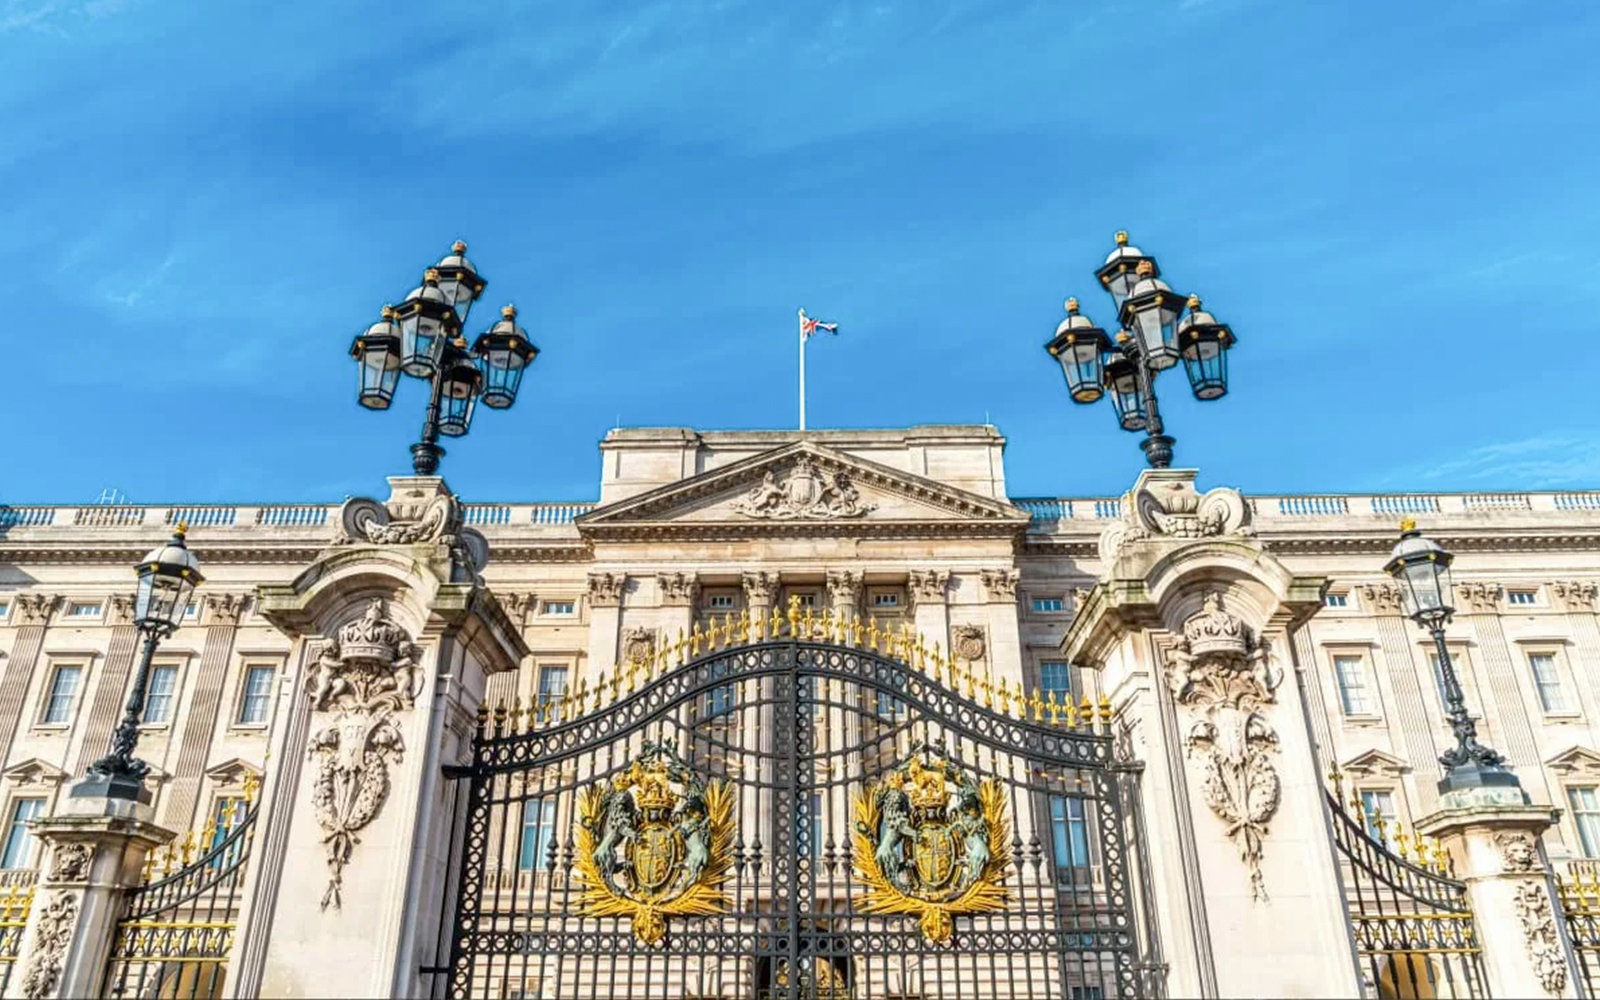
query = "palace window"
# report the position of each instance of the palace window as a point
(721, 602)
(83, 609)
(227, 812)
(721, 699)
(808, 599)
(158, 694)
(888, 706)
(1046, 605)
(1351, 675)
(19, 839)
(5, 606)
(1087, 993)
(1337, 599)
(1069, 832)
(191, 611)
(1378, 813)
(808, 828)
(552, 685)
(1522, 598)
(1055, 678)
(538, 833)
(63, 694)
(256, 696)
(1585, 802)
(885, 599)
(1547, 682)
(556, 608)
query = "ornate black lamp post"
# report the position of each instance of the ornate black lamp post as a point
(422, 337)
(1421, 567)
(167, 578)
(1156, 333)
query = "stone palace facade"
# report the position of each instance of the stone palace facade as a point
(910, 533)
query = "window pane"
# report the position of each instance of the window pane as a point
(63, 688)
(1547, 680)
(1586, 815)
(1069, 833)
(19, 840)
(552, 684)
(1352, 685)
(538, 833)
(257, 693)
(158, 694)
(1055, 677)
(1378, 813)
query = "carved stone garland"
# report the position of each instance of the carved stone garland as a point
(967, 642)
(1220, 672)
(806, 492)
(55, 927)
(1520, 855)
(370, 671)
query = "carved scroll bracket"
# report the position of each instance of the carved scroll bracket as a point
(365, 675)
(421, 511)
(1165, 504)
(1221, 674)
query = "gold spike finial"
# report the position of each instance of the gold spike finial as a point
(458, 247)
(1408, 523)
(1072, 307)
(431, 274)
(1122, 237)
(181, 529)
(1194, 303)
(508, 311)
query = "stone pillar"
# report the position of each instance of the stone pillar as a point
(1493, 836)
(1190, 627)
(199, 724)
(32, 617)
(605, 621)
(95, 851)
(844, 594)
(1005, 632)
(679, 592)
(396, 636)
(930, 612)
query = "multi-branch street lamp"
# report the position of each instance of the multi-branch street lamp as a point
(1156, 332)
(1421, 567)
(167, 578)
(422, 337)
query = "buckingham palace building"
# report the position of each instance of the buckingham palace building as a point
(824, 714)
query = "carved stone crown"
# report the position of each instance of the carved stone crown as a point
(372, 636)
(1214, 630)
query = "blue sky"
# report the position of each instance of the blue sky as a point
(1394, 206)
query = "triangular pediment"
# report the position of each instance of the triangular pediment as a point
(234, 771)
(805, 487)
(1375, 763)
(1576, 762)
(34, 771)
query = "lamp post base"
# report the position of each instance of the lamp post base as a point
(425, 458)
(1472, 775)
(112, 786)
(1158, 450)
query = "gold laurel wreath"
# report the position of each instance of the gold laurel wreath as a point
(705, 898)
(987, 893)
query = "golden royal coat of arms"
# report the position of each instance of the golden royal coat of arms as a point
(654, 842)
(932, 842)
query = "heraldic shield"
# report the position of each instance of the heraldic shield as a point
(652, 842)
(932, 842)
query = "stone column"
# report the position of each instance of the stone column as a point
(1189, 626)
(32, 617)
(844, 594)
(1405, 679)
(605, 621)
(199, 724)
(930, 610)
(1493, 836)
(756, 808)
(95, 852)
(679, 592)
(1005, 632)
(396, 637)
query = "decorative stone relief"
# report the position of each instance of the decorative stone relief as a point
(605, 589)
(1575, 596)
(806, 492)
(759, 588)
(1172, 508)
(365, 675)
(415, 516)
(224, 609)
(56, 922)
(517, 605)
(967, 642)
(119, 609)
(1479, 598)
(1221, 673)
(678, 589)
(34, 609)
(70, 862)
(1382, 598)
(1518, 852)
(638, 644)
(1539, 931)
(928, 586)
(844, 588)
(1000, 584)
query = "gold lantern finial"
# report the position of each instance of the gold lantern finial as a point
(1072, 307)
(1408, 523)
(458, 247)
(1122, 237)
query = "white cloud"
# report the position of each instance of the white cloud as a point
(1542, 462)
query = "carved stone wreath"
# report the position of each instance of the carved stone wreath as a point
(56, 924)
(1221, 673)
(967, 642)
(1539, 931)
(370, 671)
(638, 644)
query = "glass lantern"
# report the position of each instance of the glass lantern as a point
(459, 281)
(168, 575)
(458, 391)
(503, 353)
(1119, 273)
(1421, 568)
(377, 355)
(1151, 312)
(1079, 346)
(1204, 343)
(426, 322)
(1122, 378)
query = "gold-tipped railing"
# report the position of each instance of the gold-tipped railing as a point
(904, 644)
(1579, 895)
(16, 901)
(1406, 844)
(192, 845)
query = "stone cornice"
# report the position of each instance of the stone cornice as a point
(1356, 543)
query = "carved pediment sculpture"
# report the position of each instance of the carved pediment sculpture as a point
(805, 492)
(1172, 508)
(414, 517)
(370, 671)
(1220, 672)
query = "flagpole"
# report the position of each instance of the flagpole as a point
(802, 335)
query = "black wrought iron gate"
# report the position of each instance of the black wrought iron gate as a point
(840, 815)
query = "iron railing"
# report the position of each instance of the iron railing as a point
(1579, 897)
(16, 900)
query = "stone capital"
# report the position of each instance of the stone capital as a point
(844, 588)
(1575, 596)
(1000, 585)
(759, 588)
(35, 609)
(606, 589)
(1479, 598)
(1381, 598)
(928, 586)
(678, 590)
(224, 609)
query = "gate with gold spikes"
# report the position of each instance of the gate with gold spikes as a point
(177, 931)
(16, 902)
(1579, 896)
(797, 806)
(1413, 926)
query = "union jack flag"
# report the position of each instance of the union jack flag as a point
(809, 327)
